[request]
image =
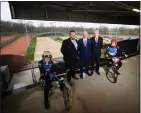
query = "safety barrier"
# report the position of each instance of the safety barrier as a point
(18, 63)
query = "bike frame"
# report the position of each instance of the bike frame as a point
(61, 82)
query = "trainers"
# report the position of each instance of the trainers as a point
(92, 73)
(81, 76)
(117, 73)
(98, 72)
(89, 74)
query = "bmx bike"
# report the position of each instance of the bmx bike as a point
(111, 70)
(62, 85)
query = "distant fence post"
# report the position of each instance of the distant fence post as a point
(138, 45)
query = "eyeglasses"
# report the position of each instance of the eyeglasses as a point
(49, 56)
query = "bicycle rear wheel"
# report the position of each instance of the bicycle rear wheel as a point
(66, 97)
(111, 75)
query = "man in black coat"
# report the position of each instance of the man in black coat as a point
(97, 43)
(69, 50)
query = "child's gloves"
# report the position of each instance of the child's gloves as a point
(107, 55)
(112, 54)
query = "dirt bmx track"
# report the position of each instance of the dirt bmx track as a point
(49, 44)
(17, 47)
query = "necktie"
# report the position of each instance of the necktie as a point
(96, 39)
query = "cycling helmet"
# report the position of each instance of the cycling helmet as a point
(47, 54)
(113, 40)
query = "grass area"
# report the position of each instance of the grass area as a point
(58, 39)
(30, 53)
(19, 35)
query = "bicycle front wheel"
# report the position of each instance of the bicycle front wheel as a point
(111, 75)
(66, 97)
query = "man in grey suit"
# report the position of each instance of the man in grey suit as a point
(96, 45)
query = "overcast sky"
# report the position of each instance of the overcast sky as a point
(6, 16)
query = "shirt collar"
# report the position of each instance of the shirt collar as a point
(84, 38)
(73, 40)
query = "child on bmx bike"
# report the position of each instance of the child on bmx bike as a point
(114, 51)
(45, 67)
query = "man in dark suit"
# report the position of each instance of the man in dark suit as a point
(97, 43)
(69, 50)
(84, 48)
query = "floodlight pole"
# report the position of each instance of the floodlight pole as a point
(117, 33)
(26, 32)
(55, 29)
(51, 28)
(52, 24)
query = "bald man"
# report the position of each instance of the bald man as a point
(97, 43)
(84, 48)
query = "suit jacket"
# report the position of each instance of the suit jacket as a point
(70, 54)
(84, 51)
(96, 47)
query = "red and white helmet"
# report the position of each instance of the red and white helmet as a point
(114, 40)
